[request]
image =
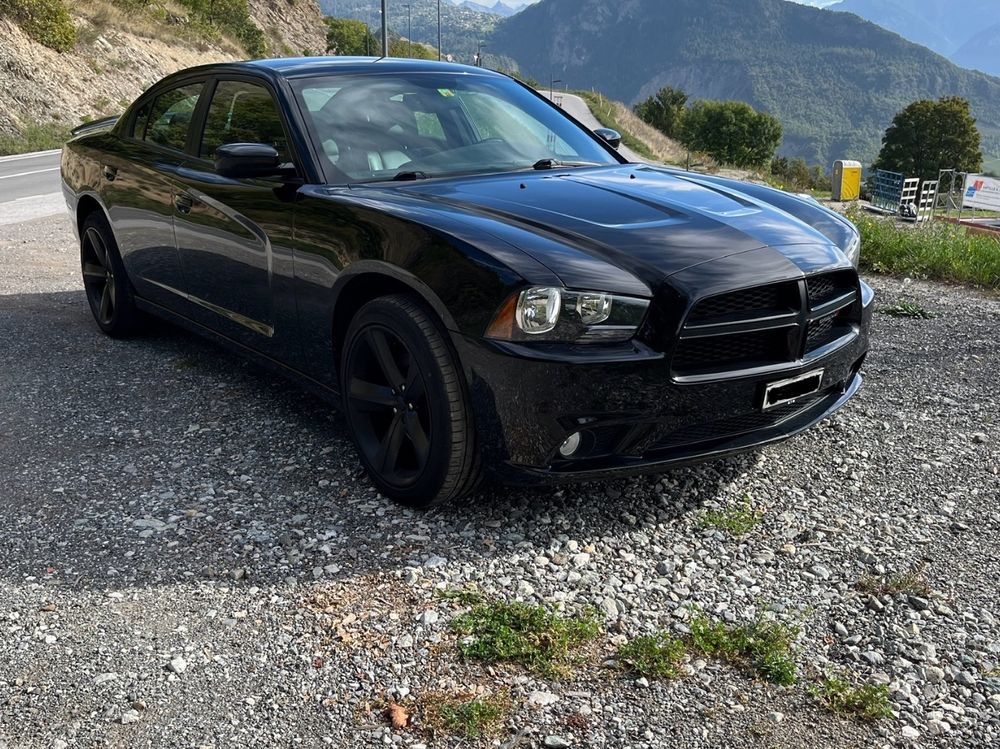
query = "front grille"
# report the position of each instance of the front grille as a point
(758, 301)
(766, 325)
(826, 288)
(737, 425)
(747, 349)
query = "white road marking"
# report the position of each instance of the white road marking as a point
(25, 156)
(25, 174)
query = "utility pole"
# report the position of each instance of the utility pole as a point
(439, 30)
(385, 29)
(409, 33)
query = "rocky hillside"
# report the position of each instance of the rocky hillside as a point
(117, 54)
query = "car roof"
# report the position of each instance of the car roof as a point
(299, 67)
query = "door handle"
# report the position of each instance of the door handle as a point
(184, 203)
(110, 173)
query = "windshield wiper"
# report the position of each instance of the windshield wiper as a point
(410, 176)
(543, 164)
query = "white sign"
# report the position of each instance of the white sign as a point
(981, 192)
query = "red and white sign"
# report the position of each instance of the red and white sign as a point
(982, 192)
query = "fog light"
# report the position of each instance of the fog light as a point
(571, 445)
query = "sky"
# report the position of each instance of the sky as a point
(522, 3)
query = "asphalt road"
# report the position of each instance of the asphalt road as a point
(578, 108)
(29, 187)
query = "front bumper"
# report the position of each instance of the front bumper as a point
(636, 417)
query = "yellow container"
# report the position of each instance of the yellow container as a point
(846, 180)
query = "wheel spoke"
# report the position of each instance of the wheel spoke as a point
(380, 346)
(100, 251)
(92, 272)
(418, 437)
(369, 393)
(105, 311)
(388, 449)
(114, 293)
(414, 384)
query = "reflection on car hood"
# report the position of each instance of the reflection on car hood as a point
(649, 221)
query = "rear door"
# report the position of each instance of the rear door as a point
(140, 183)
(234, 236)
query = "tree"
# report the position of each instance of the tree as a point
(346, 36)
(731, 132)
(664, 110)
(928, 136)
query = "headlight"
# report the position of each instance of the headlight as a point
(544, 313)
(853, 249)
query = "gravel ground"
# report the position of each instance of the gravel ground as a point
(190, 556)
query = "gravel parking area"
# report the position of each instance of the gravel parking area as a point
(190, 556)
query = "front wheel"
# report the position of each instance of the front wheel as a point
(406, 404)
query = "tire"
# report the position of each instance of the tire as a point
(109, 292)
(406, 404)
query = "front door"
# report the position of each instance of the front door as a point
(234, 236)
(140, 183)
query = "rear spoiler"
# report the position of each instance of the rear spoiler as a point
(105, 123)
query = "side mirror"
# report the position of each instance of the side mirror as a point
(247, 161)
(612, 137)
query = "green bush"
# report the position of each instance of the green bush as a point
(46, 21)
(664, 110)
(731, 132)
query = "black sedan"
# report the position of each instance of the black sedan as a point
(483, 284)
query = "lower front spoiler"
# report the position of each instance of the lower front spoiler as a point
(658, 461)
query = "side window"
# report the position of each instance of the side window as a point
(169, 117)
(242, 112)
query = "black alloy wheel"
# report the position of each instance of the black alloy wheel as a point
(406, 404)
(98, 277)
(109, 292)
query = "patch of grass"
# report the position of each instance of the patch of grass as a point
(658, 655)
(34, 137)
(736, 521)
(463, 596)
(530, 636)
(465, 716)
(912, 582)
(938, 251)
(866, 702)
(907, 309)
(763, 647)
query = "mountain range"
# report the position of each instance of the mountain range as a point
(965, 31)
(834, 80)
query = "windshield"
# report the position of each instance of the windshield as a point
(421, 125)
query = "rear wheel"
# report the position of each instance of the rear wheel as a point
(109, 292)
(406, 404)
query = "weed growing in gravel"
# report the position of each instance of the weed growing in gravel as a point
(907, 309)
(765, 647)
(736, 521)
(654, 655)
(868, 701)
(463, 596)
(537, 639)
(912, 583)
(465, 716)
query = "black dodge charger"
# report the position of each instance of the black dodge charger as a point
(485, 286)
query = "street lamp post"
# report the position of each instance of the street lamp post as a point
(385, 29)
(439, 30)
(479, 53)
(552, 86)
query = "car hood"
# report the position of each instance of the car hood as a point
(650, 222)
